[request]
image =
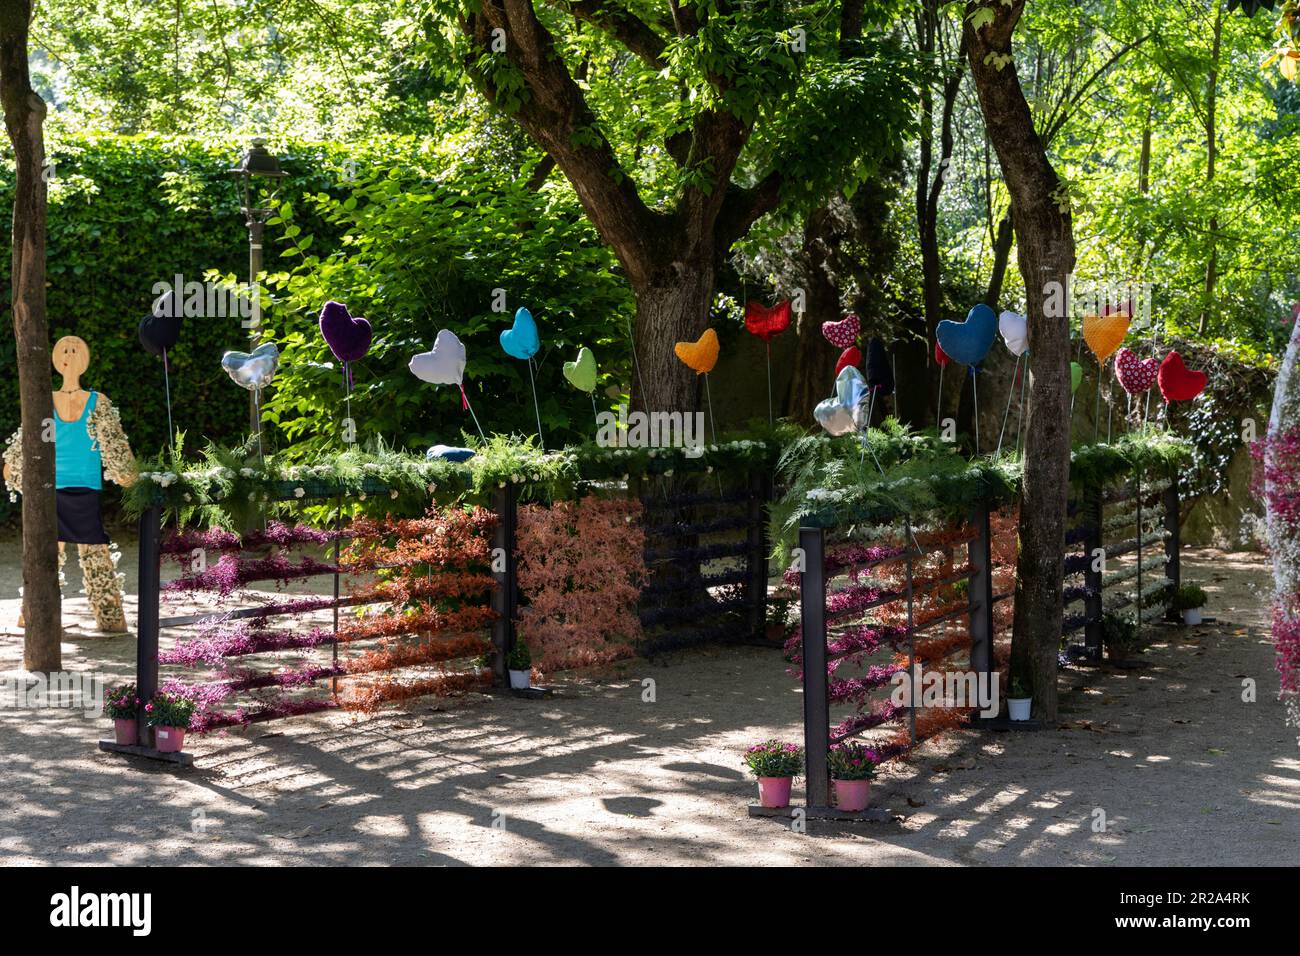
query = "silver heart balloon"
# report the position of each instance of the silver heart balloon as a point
(444, 364)
(252, 371)
(839, 413)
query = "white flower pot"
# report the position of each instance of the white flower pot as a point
(1018, 707)
(519, 679)
(1192, 616)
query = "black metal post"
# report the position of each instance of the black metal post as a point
(979, 554)
(505, 594)
(1092, 604)
(760, 490)
(1137, 498)
(146, 642)
(816, 692)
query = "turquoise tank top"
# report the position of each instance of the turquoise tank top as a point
(77, 461)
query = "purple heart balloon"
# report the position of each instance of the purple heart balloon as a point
(348, 338)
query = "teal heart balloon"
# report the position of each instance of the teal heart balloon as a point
(521, 340)
(581, 374)
(968, 342)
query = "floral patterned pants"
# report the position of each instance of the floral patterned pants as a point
(99, 571)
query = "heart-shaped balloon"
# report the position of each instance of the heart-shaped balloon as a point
(1178, 383)
(1076, 376)
(880, 371)
(940, 355)
(581, 373)
(767, 323)
(850, 357)
(347, 337)
(1015, 332)
(701, 354)
(450, 453)
(161, 328)
(521, 340)
(1105, 333)
(843, 333)
(969, 341)
(837, 414)
(255, 370)
(444, 364)
(1135, 375)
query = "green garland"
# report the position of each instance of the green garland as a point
(225, 486)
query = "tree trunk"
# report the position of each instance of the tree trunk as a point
(1211, 156)
(673, 306)
(24, 117)
(814, 358)
(1045, 254)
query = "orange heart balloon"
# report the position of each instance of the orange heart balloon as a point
(701, 354)
(1105, 333)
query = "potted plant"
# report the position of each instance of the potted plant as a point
(778, 613)
(1189, 599)
(169, 715)
(1020, 700)
(484, 662)
(775, 764)
(122, 706)
(852, 768)
(520, 664)
(1120, 635)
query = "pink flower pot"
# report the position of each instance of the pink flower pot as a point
(125, 731)
(852, 795)
(774, 792)
(169, 740)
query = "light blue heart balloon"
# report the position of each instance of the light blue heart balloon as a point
(968, 342)
(521, 340)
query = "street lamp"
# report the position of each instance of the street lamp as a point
(257, 164)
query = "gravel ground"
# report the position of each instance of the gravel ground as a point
(1182, 769)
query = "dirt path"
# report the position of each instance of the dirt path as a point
(1182, 769)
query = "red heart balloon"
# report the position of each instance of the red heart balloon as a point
(767, 323)
(843, 333)
(1178, 383)
(1135, 375)
(850, 356)
(940, 355)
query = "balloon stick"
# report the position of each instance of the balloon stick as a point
(938, 411)
(167, 387)
(975, 398)
(1020, 414)
(709, 398)
(541, 442)
(769, 383)
(1007, 412)
(464, 400)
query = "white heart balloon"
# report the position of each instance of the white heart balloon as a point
(837, 414)
(1015, 332)
(255, 370)
(444, 364)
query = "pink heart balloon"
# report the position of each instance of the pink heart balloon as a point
(1135, 375)
(843, 333)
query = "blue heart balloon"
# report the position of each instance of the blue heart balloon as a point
(968, 342)
(449, 452)
(520, 340)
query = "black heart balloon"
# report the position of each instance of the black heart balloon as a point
(880, 371)
(160, 329)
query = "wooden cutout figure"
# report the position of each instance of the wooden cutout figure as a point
(88, 445)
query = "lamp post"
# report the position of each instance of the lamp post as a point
(257, 164)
